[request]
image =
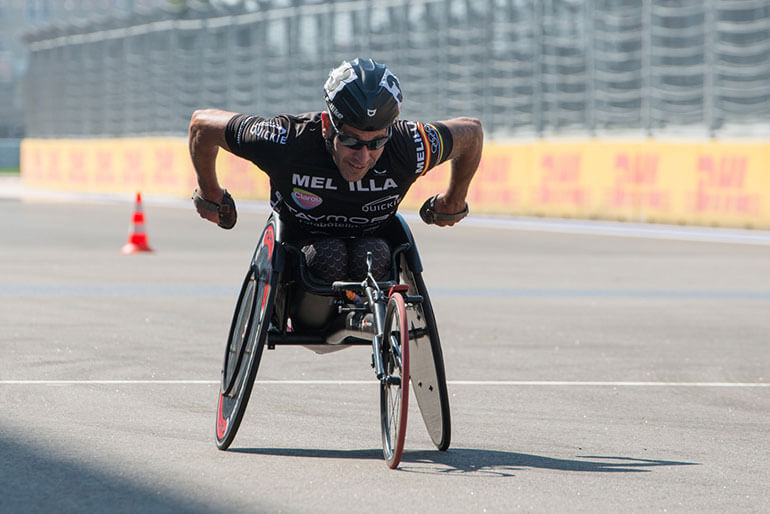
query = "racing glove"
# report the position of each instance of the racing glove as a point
(430, 216)
(226, 210)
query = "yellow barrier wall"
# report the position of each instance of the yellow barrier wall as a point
(700, 183)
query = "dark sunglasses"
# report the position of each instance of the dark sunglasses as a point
(357, 144)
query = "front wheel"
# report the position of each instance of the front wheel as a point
(394, 386)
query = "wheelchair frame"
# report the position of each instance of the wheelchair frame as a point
(276, 287)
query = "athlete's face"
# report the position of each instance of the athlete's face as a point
(354, 163)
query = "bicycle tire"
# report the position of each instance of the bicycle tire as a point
(394, 394)
(246, 340)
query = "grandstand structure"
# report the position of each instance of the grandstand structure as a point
(527, 68)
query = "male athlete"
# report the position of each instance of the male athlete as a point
(338, 176)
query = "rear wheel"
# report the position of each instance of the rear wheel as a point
(427, 362)
(246, 340)
(394, 388)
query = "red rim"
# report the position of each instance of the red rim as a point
(221, 421)
(404, 342)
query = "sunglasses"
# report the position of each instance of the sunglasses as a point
(357, 144)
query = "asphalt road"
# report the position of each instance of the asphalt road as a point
(587, 373)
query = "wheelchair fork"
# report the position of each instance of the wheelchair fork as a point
(377, 301)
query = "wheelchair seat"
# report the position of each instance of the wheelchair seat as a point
(310, 303)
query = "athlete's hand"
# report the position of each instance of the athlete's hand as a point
(454, 211)
(221, 212)
(440, 210)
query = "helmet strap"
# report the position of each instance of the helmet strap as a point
(329, 141)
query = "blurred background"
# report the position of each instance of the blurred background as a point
(664, 69)
(128, 67)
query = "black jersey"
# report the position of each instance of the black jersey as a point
(306, 187)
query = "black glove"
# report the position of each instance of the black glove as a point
(226, 210)
(430, 216)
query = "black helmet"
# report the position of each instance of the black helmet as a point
(363, 94)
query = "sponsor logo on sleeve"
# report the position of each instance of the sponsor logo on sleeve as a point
(239, 136)
(269, 131)
(415, 128)
(433, 139)
(306, 199)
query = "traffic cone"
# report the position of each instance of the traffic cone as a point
(137, 238)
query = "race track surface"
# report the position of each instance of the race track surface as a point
(587, 373)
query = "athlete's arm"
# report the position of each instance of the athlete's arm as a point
(207, 135)
(467, 142)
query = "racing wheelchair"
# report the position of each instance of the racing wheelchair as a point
(281, 303)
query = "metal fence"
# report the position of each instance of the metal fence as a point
(525, 67)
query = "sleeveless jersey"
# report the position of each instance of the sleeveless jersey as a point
(306, 187)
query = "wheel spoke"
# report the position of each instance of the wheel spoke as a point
(396, 347)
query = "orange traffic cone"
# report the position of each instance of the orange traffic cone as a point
(137, 238)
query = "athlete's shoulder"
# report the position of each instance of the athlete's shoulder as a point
(424, 145)
(306, 124)
(280, 130)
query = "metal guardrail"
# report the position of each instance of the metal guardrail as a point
(9, 153)
(525, 67)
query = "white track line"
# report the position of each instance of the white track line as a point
(608, 384)
(545, 383)
(107, 382)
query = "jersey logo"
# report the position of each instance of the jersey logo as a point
(382, 204)
(419, 138)
(306, 199)
(372, 185)
(269, 131)
(311, 182)
(434, 139)
(326, 221)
